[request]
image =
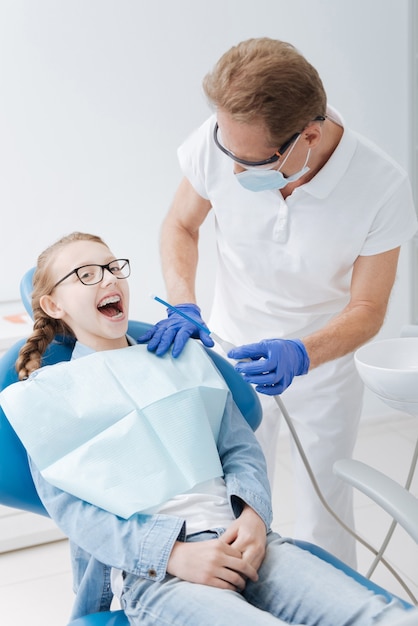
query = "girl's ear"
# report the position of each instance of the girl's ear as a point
(51, 307)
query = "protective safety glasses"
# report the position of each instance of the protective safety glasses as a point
(265, 163)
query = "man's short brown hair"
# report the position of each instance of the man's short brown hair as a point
(267, 81)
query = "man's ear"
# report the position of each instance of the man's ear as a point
(312, 133)
(51, 307)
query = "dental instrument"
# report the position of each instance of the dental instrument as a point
(226, 347)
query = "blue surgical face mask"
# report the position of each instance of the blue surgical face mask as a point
(264, 180)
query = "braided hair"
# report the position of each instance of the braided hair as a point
(45, 328)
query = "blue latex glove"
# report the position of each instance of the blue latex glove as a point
(176, 330)
(273, 364)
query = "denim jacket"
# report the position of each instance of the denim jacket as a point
(142, 543)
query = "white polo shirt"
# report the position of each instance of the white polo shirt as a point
(284, 266)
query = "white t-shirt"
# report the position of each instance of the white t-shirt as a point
(284, 266)
(205, 507)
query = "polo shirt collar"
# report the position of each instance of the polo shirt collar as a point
(329, 176)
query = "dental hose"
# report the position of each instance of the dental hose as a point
(378, 553)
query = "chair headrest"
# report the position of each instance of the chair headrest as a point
(26, 288)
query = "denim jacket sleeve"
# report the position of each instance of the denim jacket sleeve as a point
(140, 545)
(244, 465)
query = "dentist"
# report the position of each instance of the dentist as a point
(309, 220)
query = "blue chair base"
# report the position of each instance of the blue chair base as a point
(106, 618)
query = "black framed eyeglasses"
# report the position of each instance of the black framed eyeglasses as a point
(273, 159)
(93, 273)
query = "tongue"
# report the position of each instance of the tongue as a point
(109, 310)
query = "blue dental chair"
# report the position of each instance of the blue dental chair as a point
(16, 486)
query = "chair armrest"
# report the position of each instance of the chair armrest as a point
(391, 496)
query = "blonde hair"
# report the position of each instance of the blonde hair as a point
(45, 328)
(267, 81)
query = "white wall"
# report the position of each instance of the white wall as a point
(96, 95)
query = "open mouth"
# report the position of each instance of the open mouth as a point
(111, 307)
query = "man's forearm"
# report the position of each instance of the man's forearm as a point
(179, 257)
(346, 332)
(179, 242)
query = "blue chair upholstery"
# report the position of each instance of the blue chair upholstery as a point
(26, 287)
(106, 618)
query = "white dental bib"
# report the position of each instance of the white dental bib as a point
(122, 429)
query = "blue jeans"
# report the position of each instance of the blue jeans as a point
(294, 587)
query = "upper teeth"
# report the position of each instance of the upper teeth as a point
(109, 300)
